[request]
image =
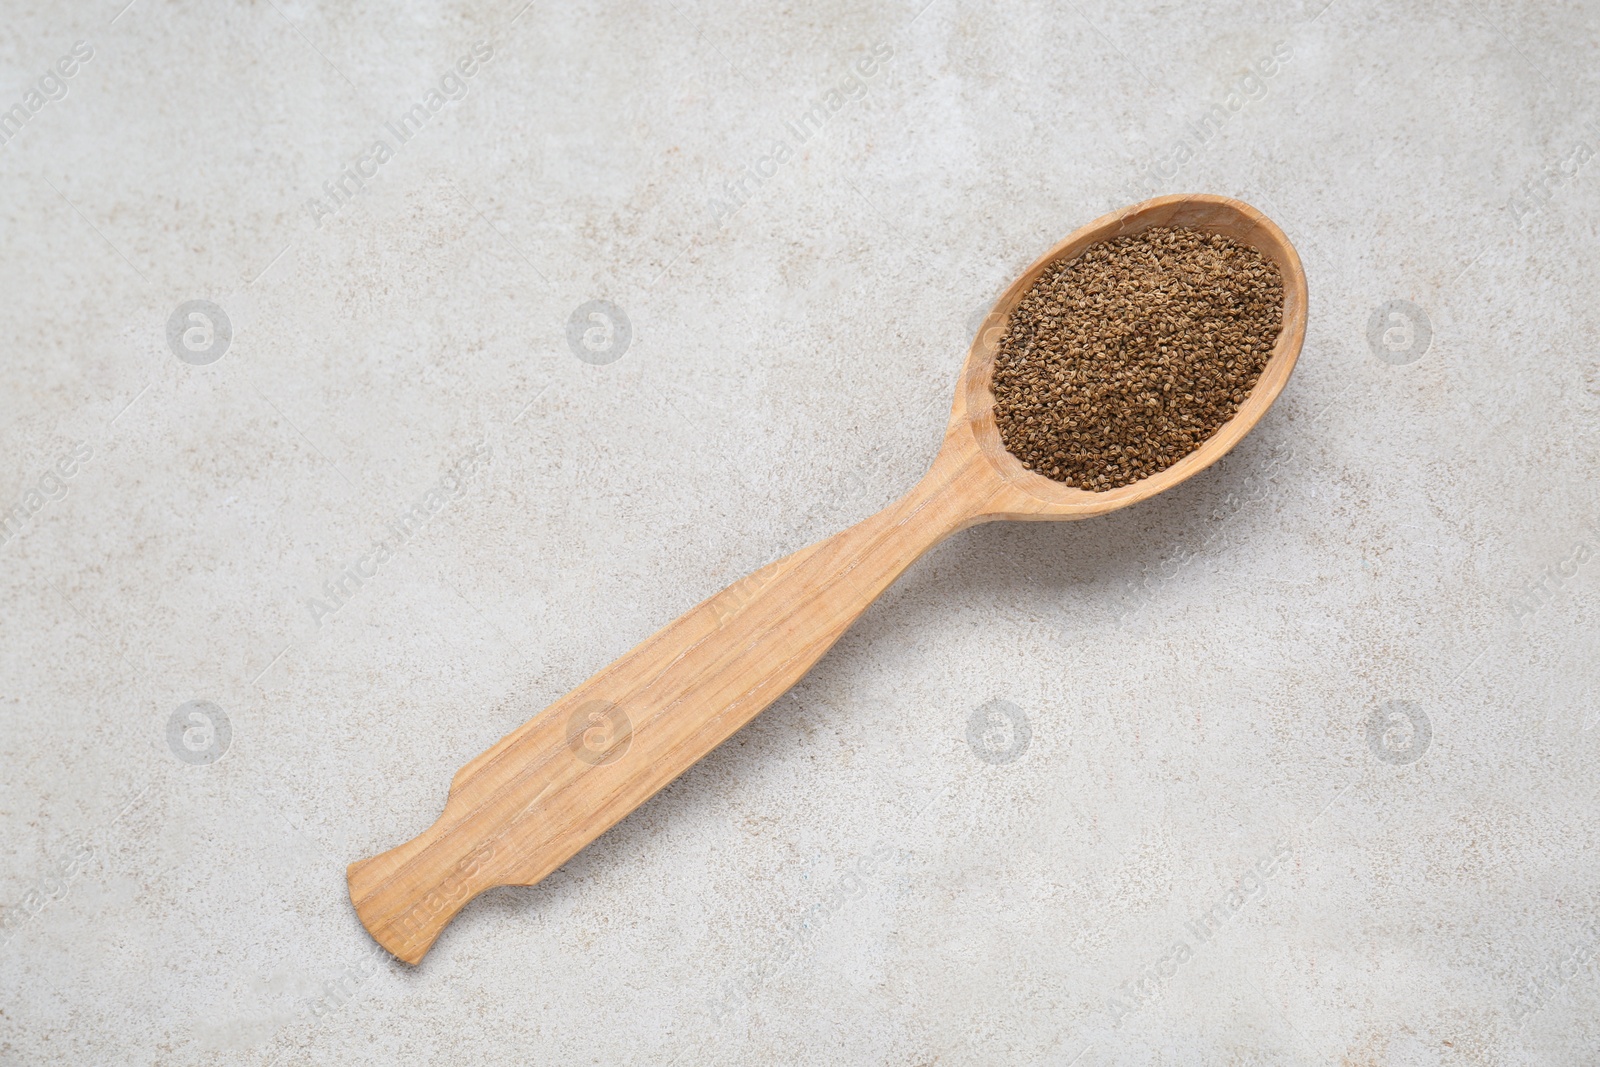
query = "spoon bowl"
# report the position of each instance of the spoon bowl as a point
(544, 791)
(1023, 494)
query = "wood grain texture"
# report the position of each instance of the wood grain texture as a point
(547, 789)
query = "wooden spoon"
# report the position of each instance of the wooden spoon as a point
(553, 785)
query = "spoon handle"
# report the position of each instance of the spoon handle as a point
(548, 788)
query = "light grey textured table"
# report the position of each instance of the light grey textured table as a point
(1295, 766)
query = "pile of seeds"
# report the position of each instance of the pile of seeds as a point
(1119, 363)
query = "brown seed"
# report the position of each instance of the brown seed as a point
(1117, 364)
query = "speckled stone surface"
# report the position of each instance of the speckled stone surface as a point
(1294, 765)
